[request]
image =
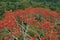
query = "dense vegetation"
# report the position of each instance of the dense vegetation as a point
(35, 19)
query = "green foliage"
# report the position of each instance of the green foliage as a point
(5, 31)
(21, 38)
(6, 5)
(31, 33)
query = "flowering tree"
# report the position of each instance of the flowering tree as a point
(30, 24)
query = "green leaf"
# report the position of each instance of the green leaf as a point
(21, 38)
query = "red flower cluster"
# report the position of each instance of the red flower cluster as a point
(13, 20)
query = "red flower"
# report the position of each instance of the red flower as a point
(11, 34)
(42, 38)
(1, 25)
(6, 38)
(33, 38)
(54, 36)
(27, 10)
(18, 31)
(46, 24)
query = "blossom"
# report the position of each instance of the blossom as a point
(34, 37)
(19, 31)
(42, 38)
(6, 38)
(12, 23)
